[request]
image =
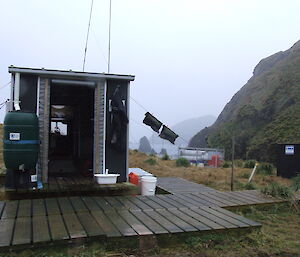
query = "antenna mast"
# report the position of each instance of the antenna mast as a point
(109, 31)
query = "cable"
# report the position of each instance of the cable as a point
(5, 85)
(99, 45)
(3, 104)
(144, 126)
(138, 104)
(87, 36)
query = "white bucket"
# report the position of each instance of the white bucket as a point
(148, 185)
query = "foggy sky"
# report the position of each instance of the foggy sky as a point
(189, 57)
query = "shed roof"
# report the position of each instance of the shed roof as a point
(69, 74)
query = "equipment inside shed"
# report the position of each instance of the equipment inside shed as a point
(71, 132)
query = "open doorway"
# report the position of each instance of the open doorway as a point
(71, 132)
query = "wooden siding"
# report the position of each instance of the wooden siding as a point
(44, 112)
(99, 127)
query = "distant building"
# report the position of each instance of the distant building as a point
(202, 156)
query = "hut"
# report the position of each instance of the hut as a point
(81, 120)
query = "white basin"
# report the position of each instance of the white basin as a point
(106, 178)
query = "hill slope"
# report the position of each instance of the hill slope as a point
(265, 111)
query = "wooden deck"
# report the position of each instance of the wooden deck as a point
(26, 222)
(174, 185)
(70, 186)
(190, 208)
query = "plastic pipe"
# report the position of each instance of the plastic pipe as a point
(17, 92)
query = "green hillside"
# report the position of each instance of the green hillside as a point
(265, 111)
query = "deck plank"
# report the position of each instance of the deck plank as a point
(2, 203)
(181, 202)
(123, 227)
(78, 204)
(214, 218)
(65, 205)
(90, 203)
(57, 228)
(177, 221)
(257, 195)
(241, 198)
(238, 217)
(194, 202)
(52, 206)
(195, 223)
(139, 203)
(24, 209)
(171, 201)
(223, 216)
(136, 224)
(246, 198)
(150, 223)
(114, 202)
(107, 226)
(210, 223)
(225, 202)
(38, 207)
(63, 186)
(10, 210)
(6, 231)
(162, 221)
(103, 204)
(22, 231)
(74, 226)
(176, 185)
(162, 202)
(229, 197)
(52, 184)
(127, 203)
(40, 229)
(147, 200)
(90, 225)
(206, 199)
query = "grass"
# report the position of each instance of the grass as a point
(279, 191)
(182, 162)
(265, 168)
(296, 183)
(150, 161)
(218, 178)
(165, 157)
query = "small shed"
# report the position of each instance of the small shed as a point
(82, 119)
(288, 160)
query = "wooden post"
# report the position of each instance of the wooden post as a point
(232, 163)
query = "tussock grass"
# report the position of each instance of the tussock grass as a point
(218, 178)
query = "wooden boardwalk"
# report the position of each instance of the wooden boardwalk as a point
(190, 208)
(174, 185)
(69, 186)
(25, 222)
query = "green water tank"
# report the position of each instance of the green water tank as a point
(20, 140)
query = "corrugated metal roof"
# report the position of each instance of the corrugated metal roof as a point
(68, 74)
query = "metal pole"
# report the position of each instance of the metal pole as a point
(232, 163)
(109, 32)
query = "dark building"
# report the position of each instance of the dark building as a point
(288, 160)
(82, 119)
